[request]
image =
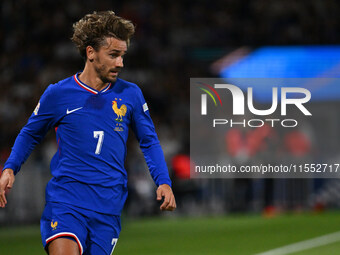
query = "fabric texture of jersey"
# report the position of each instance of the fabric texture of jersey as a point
(91, 131)
(67, 221)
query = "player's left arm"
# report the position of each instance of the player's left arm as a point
(144, 130)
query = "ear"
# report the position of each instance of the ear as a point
(90, 53)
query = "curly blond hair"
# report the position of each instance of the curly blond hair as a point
(93, 29)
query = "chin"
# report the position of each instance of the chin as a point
(111, 79)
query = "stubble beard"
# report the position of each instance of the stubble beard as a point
(108, 79)
(104, 75)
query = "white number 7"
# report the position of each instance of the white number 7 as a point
(100, 135)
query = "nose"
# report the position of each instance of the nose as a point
(119, 61)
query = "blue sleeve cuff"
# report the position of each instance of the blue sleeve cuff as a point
(12, 166)
(164, 181)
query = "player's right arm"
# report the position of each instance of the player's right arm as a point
(42, 119)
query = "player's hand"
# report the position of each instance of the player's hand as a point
(169, 203)
(6, 183)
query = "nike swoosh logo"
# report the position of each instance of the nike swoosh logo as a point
(68, 112)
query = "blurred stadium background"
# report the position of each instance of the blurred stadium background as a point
(177, 40)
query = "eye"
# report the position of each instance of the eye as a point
(116, 55)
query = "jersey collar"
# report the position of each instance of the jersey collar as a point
(88, 88)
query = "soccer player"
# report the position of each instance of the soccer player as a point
(91, 112)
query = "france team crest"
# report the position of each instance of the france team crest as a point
(120, 111)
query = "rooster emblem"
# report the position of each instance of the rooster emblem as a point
(54, 225)
(119, 111)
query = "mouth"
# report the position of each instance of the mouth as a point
(114, 72)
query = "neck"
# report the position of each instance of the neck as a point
(90, 78)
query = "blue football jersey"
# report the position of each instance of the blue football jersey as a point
(91, 131)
